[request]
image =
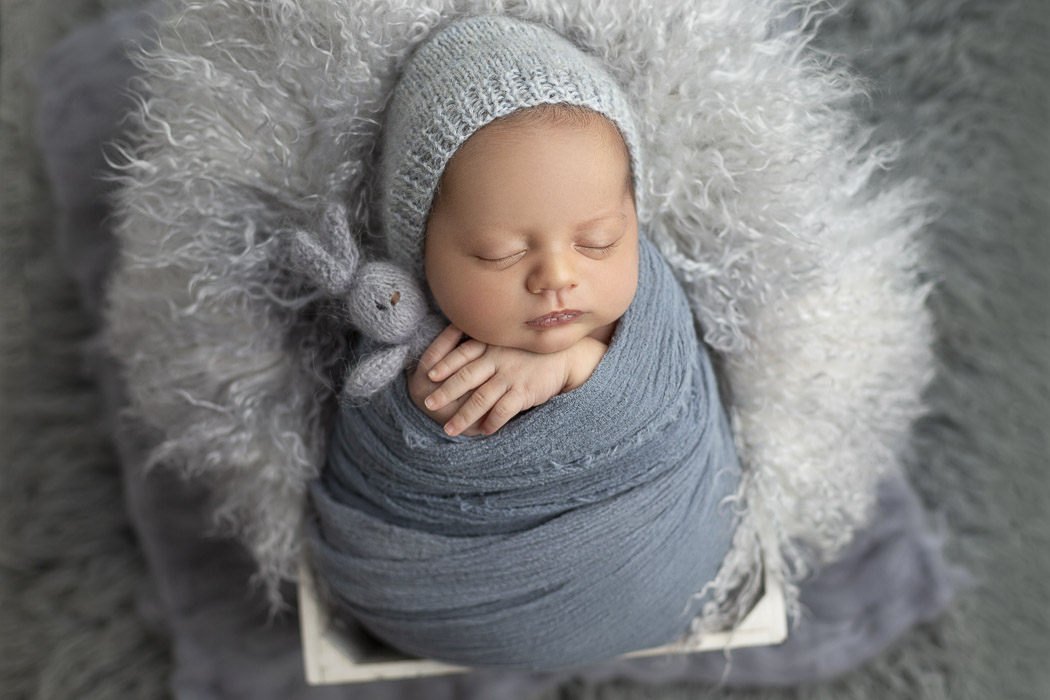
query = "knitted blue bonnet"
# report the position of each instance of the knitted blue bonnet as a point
(470, 73)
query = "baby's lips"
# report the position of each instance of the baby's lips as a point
(555, 318)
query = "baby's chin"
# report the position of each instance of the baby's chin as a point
(555, 340)
(548, 348)
(542, 342)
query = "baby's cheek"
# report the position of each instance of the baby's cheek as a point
(468, 306)
(484, 317)
(622, 286)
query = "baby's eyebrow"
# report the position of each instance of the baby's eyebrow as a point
(600, 218)
(492, 233)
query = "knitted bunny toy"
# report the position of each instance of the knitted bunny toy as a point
(380, 300)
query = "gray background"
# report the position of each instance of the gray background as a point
(964, 83)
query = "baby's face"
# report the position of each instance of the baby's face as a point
(533, 242)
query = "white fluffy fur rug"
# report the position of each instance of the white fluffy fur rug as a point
(962, 83)
(258, 116)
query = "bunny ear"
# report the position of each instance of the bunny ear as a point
(330, 258)
(373, 372)
(335, 226)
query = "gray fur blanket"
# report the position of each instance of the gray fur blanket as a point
(254, 118)
(895, 544)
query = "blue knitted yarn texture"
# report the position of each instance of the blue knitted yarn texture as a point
(582, 530)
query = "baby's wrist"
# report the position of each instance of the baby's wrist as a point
(583, 358)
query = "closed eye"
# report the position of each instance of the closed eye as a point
(599, 251)
(502, 262)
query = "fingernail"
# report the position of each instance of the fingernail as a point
(432, 373)
(449, 429)
(429, 401)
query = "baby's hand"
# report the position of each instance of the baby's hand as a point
(420, 386)
(505, 381)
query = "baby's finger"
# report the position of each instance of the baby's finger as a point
(509, 405)
(472, 431)
(469, 377)
(442, 345)
(456, 360)
(475, 407)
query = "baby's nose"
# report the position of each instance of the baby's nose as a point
(553, 273)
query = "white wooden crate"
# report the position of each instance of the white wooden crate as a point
(332, 654)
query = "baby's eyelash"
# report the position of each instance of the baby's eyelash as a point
(602, 250)
(505, 261)
(508, 260)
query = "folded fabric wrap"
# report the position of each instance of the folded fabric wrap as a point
(585, 528)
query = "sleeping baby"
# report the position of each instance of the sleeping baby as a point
(532, 252)
(590, 525)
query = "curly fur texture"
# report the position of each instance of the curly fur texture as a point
(255, 116)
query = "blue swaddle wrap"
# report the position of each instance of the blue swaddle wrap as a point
(582, 530)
